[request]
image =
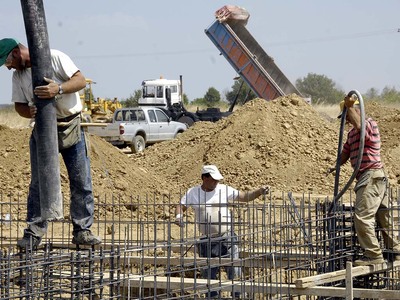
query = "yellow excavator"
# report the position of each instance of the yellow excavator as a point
(97, 110)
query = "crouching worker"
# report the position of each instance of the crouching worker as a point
(210, 201)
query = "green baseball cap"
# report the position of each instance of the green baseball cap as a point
(6, 46)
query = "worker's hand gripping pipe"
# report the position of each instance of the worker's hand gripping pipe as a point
(337, 195)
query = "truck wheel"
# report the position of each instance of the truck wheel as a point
(138, 144)
(178, 133)
(186, 120)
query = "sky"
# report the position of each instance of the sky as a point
(119, 43)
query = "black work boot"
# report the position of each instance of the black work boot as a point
(85, 237)
(29, 242)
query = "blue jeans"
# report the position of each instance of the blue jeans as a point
(225, 246)
(77, 161)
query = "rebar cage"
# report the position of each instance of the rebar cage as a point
(287, 245)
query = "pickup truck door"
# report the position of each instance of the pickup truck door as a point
(153, 134)
(165, 132)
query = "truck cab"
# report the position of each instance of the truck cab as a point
(154, 93)
(167, 95)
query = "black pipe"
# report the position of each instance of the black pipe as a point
(181, 92)
(360, 148)
(46, 119)
(236, 97)
(338, 158)
(332, 221)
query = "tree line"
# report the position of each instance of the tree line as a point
(320, 88)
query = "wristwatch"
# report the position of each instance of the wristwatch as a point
(60, 90)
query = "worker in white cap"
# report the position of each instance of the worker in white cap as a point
(210, 201)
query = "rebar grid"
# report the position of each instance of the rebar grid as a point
(144, 255)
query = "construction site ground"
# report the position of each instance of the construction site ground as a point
(283, 143)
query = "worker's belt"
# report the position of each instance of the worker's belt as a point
(68, 119)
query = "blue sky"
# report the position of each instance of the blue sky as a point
(119, 43)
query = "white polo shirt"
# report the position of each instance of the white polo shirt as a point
(211, 208)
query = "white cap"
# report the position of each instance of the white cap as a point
(213, 171)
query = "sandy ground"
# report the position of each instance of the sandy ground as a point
(283, 143)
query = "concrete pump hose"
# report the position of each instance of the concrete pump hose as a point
(360, 149)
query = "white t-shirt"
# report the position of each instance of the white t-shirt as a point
(64, 68)
(211, 208)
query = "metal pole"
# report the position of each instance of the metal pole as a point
(46, 120)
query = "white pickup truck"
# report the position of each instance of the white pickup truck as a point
(137, 127)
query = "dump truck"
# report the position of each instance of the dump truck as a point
(246, 56)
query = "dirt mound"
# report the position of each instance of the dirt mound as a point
(284, 143)
(115, 178)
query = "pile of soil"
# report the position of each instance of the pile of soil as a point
(284, 143)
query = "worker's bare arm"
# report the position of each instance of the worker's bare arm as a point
(52, 89)
(250, 196)
(24, 110)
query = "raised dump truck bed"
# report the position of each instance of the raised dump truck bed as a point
(247, 57)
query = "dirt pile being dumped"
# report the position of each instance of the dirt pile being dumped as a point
(284, 143)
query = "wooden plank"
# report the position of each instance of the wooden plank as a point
(267, 259)
(189, 248)
(349, 281)
(94, 124)
(202, 285)
(198, 261)
(330, 277)
(251, 262)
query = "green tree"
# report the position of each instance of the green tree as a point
(372, 94)
(198, 101)
(212, 97)
(185, 99)
(320, 88)
(133, 99)
(243, 92)
(390, 95)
